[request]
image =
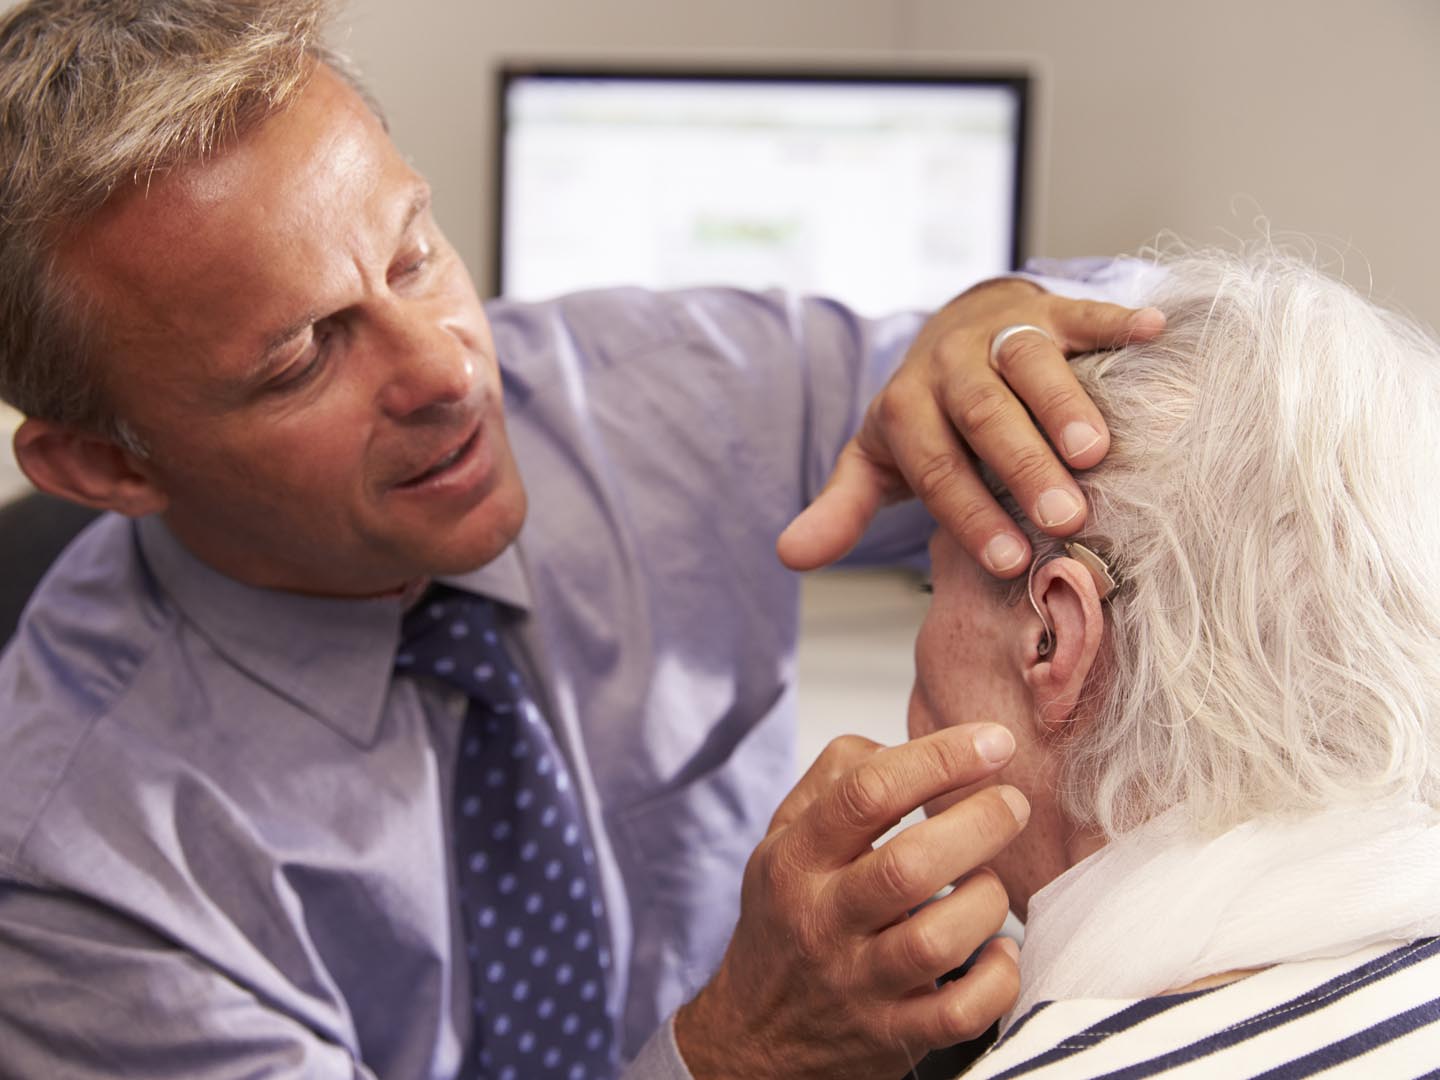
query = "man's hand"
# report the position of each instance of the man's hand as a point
(827, 974)
(948, 401)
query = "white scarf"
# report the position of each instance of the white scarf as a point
(1160, 907)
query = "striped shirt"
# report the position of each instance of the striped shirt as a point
(1374, 1013)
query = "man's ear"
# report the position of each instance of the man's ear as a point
(1066, 592)
(87, 468)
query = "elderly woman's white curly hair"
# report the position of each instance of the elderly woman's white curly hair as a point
(1270, 502)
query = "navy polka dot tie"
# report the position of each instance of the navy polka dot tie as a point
(528, 888)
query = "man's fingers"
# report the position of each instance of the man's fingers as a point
(840, 756)
(915, 952)
(830, 526)
(998, 429)
(963, 1009)
(1083, 326)
(867, 800)
(940, 471)
(912, 437)
(910, 868)
(1039, 375)
(1037, 372)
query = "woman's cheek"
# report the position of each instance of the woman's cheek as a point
(919, 720)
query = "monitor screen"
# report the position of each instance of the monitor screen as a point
(883, 190)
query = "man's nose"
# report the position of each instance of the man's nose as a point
(427, 365)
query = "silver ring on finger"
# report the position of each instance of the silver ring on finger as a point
(1009, 332)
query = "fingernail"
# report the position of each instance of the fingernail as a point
(1003, 552)
(1056, 507)
(1078, 437)
(1009, 947)
(994, 743)
(1019, 805)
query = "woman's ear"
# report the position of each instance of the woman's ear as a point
(1065, 591)
(87, 468)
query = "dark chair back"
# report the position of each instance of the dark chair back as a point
(34, 529)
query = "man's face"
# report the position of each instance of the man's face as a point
(305, 358)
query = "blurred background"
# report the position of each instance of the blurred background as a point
(1309, 120)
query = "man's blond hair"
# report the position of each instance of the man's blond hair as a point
(99, 95)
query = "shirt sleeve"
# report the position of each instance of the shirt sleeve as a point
(749, 395)
(838, 360)
(89, 995)
(847, 358)
(1126, 281)
(755, 392)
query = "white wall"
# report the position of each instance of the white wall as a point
(1153, 114)
(1320, 114)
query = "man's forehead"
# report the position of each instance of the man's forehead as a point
(300, 194)
(321, 157)
(328, 136)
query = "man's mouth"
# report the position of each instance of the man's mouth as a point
(449, 461)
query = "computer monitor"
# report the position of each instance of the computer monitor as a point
(885, 190)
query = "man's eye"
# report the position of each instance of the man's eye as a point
(299, 374)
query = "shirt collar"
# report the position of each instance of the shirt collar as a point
(502, 578)
(331, 657)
